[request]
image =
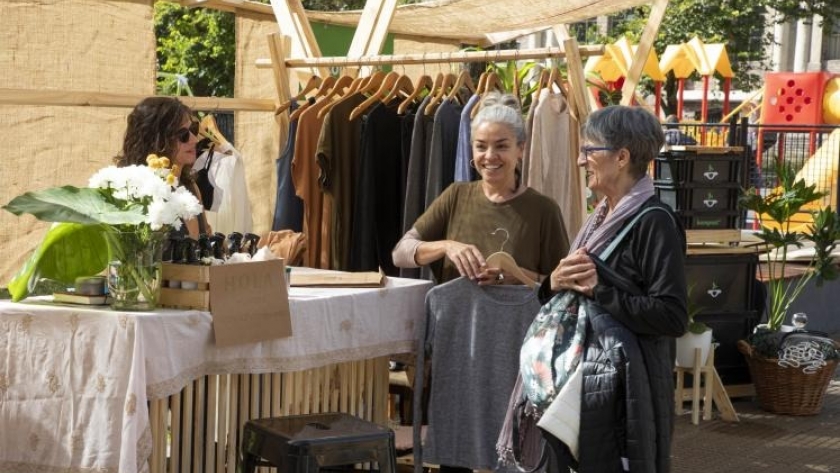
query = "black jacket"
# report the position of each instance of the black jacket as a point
(628, 389)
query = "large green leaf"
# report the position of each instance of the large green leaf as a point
(74, 205)
(69, 250)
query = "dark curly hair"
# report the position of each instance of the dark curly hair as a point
(151, 128)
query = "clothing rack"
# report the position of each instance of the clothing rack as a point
(436, 58)
(280, 46)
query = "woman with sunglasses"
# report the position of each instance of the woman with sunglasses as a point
(164, 126)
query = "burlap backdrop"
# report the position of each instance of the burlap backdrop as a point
(257, 133)
(88, 45)
(108, 46)
(104, 46)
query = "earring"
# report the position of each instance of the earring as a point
(472, 164)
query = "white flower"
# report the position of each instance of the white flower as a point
(133, 186)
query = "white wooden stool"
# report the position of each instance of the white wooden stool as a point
(713, 390)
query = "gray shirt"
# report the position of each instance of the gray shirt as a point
(473, 335)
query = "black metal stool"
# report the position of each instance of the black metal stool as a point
(305, 443)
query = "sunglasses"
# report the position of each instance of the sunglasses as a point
(183, 135)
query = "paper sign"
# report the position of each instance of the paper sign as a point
(249, 302)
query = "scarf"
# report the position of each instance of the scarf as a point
(520, 440)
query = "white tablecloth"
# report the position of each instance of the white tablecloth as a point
(75, 381)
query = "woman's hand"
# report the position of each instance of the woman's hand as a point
(575, 272)
(467, 258)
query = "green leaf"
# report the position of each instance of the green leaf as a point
(71, 204)
(69, 250)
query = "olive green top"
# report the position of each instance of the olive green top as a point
(535, 230)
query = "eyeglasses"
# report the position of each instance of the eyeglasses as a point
(183, 134)
(587, 150)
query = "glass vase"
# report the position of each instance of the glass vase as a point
(134, 270)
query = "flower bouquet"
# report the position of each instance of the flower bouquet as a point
(127, 210)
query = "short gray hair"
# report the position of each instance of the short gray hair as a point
(501, 108)
(632, 128)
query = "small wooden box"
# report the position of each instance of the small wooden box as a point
(179, 298)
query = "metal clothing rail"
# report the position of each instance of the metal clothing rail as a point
(427, 58)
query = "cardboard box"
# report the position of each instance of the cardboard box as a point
(249, 302)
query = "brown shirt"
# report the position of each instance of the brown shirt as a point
(305, 174)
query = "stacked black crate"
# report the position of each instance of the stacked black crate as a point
(724, 290)
(702, 185)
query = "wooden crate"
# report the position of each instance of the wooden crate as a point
(726, 236)
(179, 298)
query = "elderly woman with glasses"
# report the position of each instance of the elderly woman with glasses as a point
(164, 126)
(641, 290)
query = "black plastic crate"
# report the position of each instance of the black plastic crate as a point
(725, 290)
(678, 168)
(707, 199)
(696, 220)
(721, 282)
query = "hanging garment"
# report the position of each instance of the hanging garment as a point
(226, 172)
(288, 210)
(338, 160)
(529, 132)
(440, 170)
(377, 206)
(553, 168)
(463, 154)
(415, 182)
(473, 335)
(205, 183)
(305, 174)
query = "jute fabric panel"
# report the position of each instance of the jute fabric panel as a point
(87, 45)
(258, 135)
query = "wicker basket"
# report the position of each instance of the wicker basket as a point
(787, 390)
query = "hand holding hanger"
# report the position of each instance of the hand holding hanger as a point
(504, 261)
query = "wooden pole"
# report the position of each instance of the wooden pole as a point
(431, 58)
(657, 12)
(104, 99)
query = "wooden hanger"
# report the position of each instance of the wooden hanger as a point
(388, 83)
(482, 82)
(504, 261)
(463, 80)
(556, 78)
(326, 86)
(448, 81)
(494, 82)
(424, 82)
(373, 82)
(208, 128)
(491, 82)
(343, 82)
(403, 86)
(313, 83)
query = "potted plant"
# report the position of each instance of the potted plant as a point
(784, 385)
(699, 335)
